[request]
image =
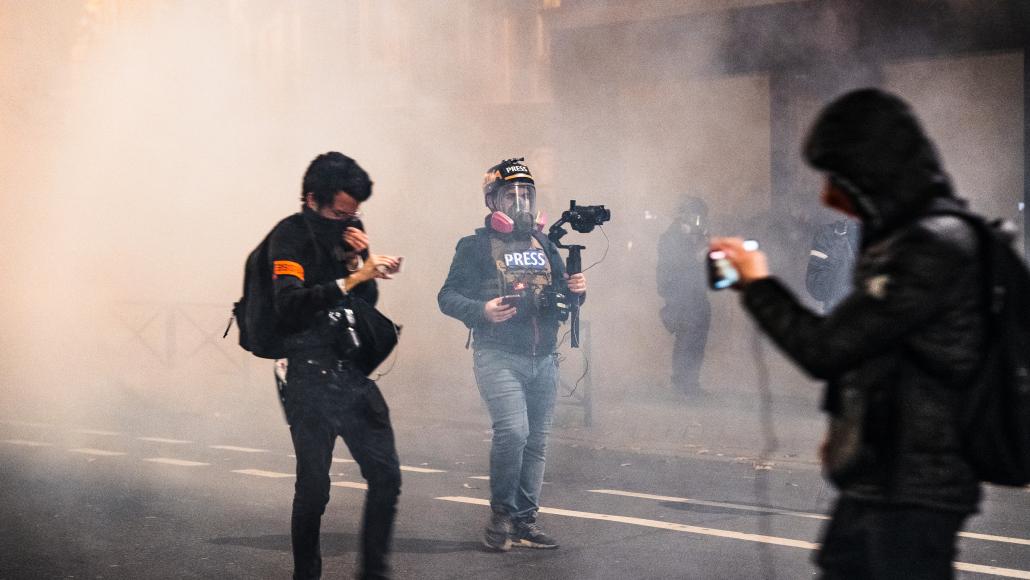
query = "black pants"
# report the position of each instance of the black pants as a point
(321, 404)
(882, 542)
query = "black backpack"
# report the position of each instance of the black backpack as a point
(255, 311)
(995, 417)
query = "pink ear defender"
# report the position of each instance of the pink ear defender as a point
(541, 220)
(501, 223)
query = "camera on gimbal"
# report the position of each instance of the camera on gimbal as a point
(583, 218)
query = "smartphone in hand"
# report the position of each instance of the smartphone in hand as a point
(722, 273)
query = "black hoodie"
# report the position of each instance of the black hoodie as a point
(871, 143)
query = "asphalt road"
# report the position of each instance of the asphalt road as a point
(160, 501)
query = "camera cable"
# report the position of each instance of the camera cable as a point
(561, 342)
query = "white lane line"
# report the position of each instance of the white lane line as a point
(656, 524)
(993, 538)
(262, 473)
(334, 460)
(25, 423)
(992, 570)
(809, 515)
(350, 484)
(965, 567)
(421, 469)
(483, 477)
(410, 468)
(96, 432)
(91, 451)
(732, 506)
(240, 449)
(164, 440)
(179, 462)
(28, 443)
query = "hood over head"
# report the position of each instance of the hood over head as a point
(872, 145)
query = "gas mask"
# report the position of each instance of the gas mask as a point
(514, 209)
(694, 224)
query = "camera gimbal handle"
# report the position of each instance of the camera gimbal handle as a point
(573, 265)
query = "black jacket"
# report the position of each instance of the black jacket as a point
(681, 274)
(303, 249)
(473, 280)
(898, 352)
(682, 279)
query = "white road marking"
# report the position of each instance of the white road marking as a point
(26, 423)
(240, 449)
(262, 473)
(91, 451)
(965, 567)
(656, 524)
(403, 467)
(421, 469)
(992, 538)
(483, 477)
(350, 484)
(732, 506)
(809, 515)
(992, 570)
(96, 432)
(27, 443)
(164, 440)
(179, 462)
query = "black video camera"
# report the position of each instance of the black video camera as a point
(583, 218)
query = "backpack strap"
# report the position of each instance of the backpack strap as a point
(552, 256)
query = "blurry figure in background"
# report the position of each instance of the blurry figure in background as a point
(507, 283)
(897, 354)
(683, 284)
(831, 262)
(319, 255)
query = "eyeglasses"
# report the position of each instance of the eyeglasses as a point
(345, 215)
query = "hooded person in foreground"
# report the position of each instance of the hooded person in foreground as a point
(897, 353)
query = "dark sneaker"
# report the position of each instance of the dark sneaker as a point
(497, 534)
(527, 533)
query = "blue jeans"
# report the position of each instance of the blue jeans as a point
(519, 392)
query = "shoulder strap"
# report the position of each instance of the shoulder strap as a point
(552, 255)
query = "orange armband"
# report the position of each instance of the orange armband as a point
(287, 268)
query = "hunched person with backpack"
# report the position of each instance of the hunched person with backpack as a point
(900, 354)
(317, 259)
(507, 284)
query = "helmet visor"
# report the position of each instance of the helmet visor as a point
(516, 197)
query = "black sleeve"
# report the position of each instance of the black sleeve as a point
(295, 299)
(899, 290)
(367, 291)
(457, 297)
